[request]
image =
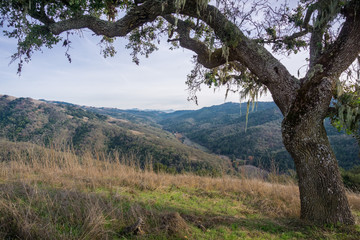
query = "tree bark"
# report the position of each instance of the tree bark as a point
(322, 194)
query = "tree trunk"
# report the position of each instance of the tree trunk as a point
(322, 193)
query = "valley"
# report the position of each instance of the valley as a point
(212, 140)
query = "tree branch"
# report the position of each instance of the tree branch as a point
(36, 14)
(308, 14)
(285, 38)
(137, 16)
(344, 51)
(207, 58)
(327, 11)
(256, 58)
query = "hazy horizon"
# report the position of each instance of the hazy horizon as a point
(135, 108)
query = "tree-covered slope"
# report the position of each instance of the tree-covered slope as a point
(222, 130)
(60, 124)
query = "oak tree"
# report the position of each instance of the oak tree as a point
(234, 42)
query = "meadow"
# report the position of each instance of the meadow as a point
(50, 194)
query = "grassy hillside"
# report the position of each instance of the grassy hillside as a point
(60, 124)
(59, 195)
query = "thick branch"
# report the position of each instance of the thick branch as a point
(318, 30)
(327, 11)
(38, 14)
(285, 38)
(344, 51)
(346, 48)
(316, 42)
(256, 58)
(147, 12)
(308, 14)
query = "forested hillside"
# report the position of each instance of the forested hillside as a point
(222, 130)
(62, 125)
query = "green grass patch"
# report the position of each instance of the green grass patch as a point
(39, 210)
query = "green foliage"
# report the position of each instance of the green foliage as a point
(143, 40)
(290, 45)
(108, 49)
(346, 114)
(80, 133)
(271, 32)
(297, 16)
(31, 35)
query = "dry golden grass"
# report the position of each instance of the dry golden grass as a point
(28, 212)
(77, 178)
(354, 200)
(86, 172)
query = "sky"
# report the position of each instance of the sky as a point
(90, 80)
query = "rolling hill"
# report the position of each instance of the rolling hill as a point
(173, 141)
(60, 125)
(221, 130)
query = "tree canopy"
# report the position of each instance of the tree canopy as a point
(213, 33)
(234, 44)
